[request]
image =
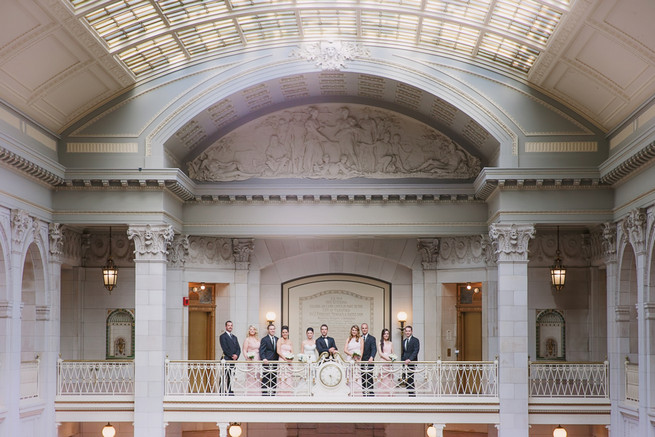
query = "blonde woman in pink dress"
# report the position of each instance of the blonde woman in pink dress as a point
(354, 350)
(251, 352)
(285, 352)
(386, 385)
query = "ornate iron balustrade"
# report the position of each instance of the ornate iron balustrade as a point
(95, 377)
(29, 379)
(631, 382)
(423, 379)
(571, 380)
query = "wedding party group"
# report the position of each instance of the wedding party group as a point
(360, 347)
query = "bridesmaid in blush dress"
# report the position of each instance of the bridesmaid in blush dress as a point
(285, 351)
(386, 385)
(251, 352)
(354, 350)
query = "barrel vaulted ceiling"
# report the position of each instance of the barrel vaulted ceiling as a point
(60, 59)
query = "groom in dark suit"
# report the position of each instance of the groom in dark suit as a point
(411, 346)
(231, 351)
(370, 349)
(325, 343)
(268, 352)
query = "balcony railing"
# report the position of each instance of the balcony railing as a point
(29, 379)
(422, 379)
(95, 378)
(631, 382)
(569, 380)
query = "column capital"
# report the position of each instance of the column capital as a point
(150, 241)
(241, 250)
(511, 240)
(56, 238)
(634, 227)
(609, 242)
(21, 224)
(179, 252)
(429, 250)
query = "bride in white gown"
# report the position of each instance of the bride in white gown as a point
(309, 346)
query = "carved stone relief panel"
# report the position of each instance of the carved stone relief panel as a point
(334, 141)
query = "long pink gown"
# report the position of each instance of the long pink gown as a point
(386, 385)
(285, 378)
(253, 383)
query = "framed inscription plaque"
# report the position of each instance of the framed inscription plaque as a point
(339, 301)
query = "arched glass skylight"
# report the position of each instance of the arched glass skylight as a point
(151, 36)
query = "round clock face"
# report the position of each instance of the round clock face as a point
(330, 375)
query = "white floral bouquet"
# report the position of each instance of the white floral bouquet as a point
(356, 354)
(302, 358)
(251, 355)
(289, 357)
(393, 357)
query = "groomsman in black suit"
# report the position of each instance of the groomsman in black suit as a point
(231, 351)
(268, 352)
(411, 347)
(325, 343)
(370, 350)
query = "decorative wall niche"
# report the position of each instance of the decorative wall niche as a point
(551, 336)
(120, 334)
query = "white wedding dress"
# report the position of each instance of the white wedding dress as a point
(353, 346)
(309, 350)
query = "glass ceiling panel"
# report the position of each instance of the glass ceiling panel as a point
(153, 36)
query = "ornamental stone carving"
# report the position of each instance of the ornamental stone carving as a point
(489, 250)
(609, 241)
(465, 250)
(429, 250)
(21, 224)
(241, 249)
(634, 227)
(179, 251)
(512, 240)
(331, 141)
(209, 250)
(151, 241)
(95, 249)
(56, 237)
(330, 55)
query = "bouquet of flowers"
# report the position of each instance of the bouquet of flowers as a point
(393, 357)
(356, 354)
(302, 358)
(251, 355)
(289, 357)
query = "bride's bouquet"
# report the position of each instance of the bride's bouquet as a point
(289, 357)
(302, 358)
(356, 354)
(393, 357)
(251, 355)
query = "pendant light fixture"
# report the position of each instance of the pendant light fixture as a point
(558, 271)
(109, 271)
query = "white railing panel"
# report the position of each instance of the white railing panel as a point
(571, 380)
(632, 382)
(95, 378)
(422, 379)
(29, 379)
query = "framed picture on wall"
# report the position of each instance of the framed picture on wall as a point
(551, 338)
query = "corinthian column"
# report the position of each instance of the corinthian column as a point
(511, 243)
(150, 249)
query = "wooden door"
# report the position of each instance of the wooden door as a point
(202, 309)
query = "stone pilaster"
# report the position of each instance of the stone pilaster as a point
(242, 249)
(432, 302)
(511, 243)
(151, 244)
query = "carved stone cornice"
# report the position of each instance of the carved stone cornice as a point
(241, 249)
(29, 168)
(634, 227)
(429, 250)
(512, 241)
(179, 251)
(627, 166)
(151, 241)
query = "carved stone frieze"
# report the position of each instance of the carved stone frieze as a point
(179, 251)
(634, 227)
(241, 249)
(512, 240)
(429, 250)
(210, 250)
(332, 141)
(543, 248)
(95, 248)
(465, 250)
(330, 55)
(151, 241)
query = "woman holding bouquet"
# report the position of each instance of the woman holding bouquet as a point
(285, 351)
(354, 350)
(386, 385)
(309, 346)
(251, 352)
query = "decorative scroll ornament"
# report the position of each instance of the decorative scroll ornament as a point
(56, 235)
(489, 250)
(151, 242)
(609, 241)
(241, 249)
(330, 55)
(634, 227)
(464, 250)
(21, 222)
(429, 250)
(179, 252)
(210, 250)
(512, 240)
